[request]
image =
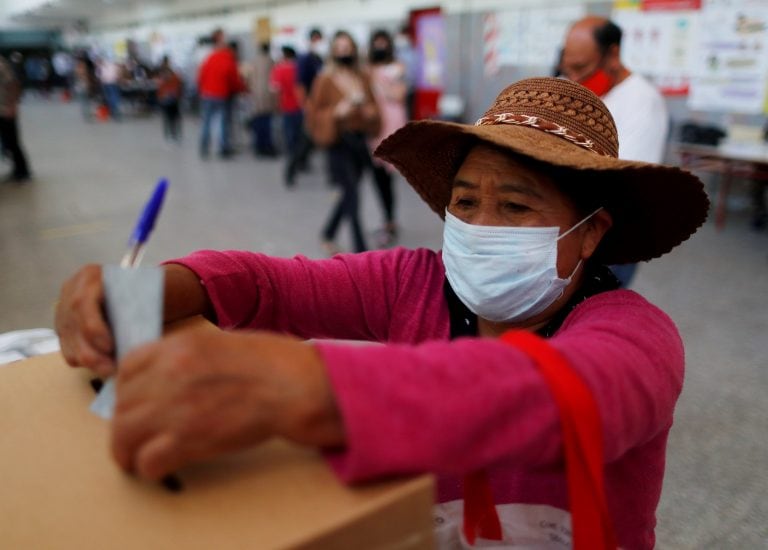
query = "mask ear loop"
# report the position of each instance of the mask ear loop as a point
(578, 265)
(579, 223)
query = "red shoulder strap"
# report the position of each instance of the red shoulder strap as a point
(583, 446)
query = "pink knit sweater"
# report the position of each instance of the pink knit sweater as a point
(423, 403)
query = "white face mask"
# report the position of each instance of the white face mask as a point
(320, 47)
(504, 274)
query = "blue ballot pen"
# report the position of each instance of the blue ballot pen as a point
(144, 226)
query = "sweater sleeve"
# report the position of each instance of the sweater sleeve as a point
(453, 407)
(350, 296)
(321, 120)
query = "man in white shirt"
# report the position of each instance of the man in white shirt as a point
(592, 57)
(108, 73)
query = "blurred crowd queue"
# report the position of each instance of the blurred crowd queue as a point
(280, 102)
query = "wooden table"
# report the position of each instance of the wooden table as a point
(749, 161)
(59, 488)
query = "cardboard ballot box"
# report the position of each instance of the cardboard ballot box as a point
(59, 487)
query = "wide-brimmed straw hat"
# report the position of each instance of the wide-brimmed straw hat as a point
(562, 124)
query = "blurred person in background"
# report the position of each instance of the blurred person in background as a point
(759, 205)
(218, 79)
(390, 89)
(109, 74)
(86, 84)
(232, 108)
(342, 116)
(169, 92)
(10, 94)
(262, 99)
(63, 67)
(283, 81)
(17, 63)
(37, 71)
(592, 57)
(406, 53)
(308, 66)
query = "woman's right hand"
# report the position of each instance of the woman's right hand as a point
(343, 109)
(85, 337)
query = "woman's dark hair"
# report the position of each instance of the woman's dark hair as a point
(345, 34)
(288, 52)
(607, 35)
(388, 55)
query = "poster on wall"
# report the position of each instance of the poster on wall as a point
(658, 42)
(532, 37)
(670, 5)
(731, 58)
(432, 50)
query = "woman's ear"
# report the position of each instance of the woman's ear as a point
(595, 229)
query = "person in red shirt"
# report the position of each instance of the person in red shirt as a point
(217, 81)
(283, 80)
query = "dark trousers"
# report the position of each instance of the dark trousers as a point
(383, 180)
(296, 150)
(112, 98)
(348, 159)
(261, 126)
(759, 205)
(171, 119)
(292, 125)
(9, 137)
(304, 147)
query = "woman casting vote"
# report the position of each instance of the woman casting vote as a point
(535, 203)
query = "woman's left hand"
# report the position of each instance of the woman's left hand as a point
(200, 393)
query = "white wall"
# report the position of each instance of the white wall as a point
(294, 11)
(172, 26)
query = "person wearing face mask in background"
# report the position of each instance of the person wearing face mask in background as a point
(308, 66)
(535, 203)
(282, 80)
(263, 102)
(342, 115)
(592, 57)
(389, 88)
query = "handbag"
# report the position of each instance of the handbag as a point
(583, 446)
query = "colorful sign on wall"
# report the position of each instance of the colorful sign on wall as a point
(533, 37)
(731, 58)
(659, 45)
(430, 32)
(670, 5)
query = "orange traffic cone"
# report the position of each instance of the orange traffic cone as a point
(102, 113)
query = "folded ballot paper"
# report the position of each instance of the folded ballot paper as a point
(134, 303)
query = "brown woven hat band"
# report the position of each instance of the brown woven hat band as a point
(544, 125)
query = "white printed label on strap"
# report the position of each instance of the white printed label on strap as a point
(524, 527)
